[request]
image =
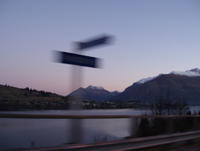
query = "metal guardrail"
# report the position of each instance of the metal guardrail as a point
(126, 144)
(53, 116)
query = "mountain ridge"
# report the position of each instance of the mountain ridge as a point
(173, 86)
(93, 93)
(176, 85)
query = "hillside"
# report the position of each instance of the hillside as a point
(12, 98)
(94, 93)
(175, 86)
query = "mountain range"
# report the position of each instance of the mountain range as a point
(175, 86)
(94, 93)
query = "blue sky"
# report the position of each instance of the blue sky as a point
(151, 37)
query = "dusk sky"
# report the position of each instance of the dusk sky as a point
(151, 37)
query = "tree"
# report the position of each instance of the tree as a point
(162, 106)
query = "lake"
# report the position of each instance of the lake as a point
(22, 133)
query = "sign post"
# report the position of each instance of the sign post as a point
(78, 59)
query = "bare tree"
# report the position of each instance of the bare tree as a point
(167, 106)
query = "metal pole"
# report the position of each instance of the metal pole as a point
(76, 104)
(76, 79)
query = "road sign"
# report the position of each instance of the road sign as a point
(76, 59)
(80, 60)
(92, 43)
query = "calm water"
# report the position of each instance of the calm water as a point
(20, 133)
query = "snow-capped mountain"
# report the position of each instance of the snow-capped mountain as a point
(94, 93)
(144, 80)
(95, 87)
(175, 85)
(190, 73)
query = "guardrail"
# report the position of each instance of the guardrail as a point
(53, 116)
(127, 144)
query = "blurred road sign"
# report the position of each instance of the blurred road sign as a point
(76, 59)
(80, 60)
(95, 42)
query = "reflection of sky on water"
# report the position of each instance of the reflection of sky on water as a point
(50, 132)
(21, 132)
(195, 109)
